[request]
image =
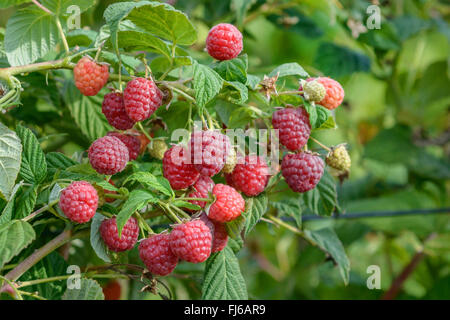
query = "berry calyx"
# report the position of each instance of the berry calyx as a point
(110, 234)
(302, 171)
(141, 98)
(79, 201)
(293, 127)
(108, 155)
(132, 143)
(114, 110)
(338, 158)
(251, 177)
(224, 42)
(90, 77)
(177, 168)
(191, 241)
(228, 205)
(156, 254)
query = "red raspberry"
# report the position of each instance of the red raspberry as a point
(251, 177)
(112, 290)
(302, 171)
(132, 142)
(224, 42)
(334, 95)
(294, 127)
(202, 187)
(156, 254)
(209, 150)
(79, 201)
(89, 76)
(191, 241)
(178, 169)
(108, 155)
(110, 234)
(106, 192)
(228, 206)
(114, 110)
(218, 231)
(141, 97)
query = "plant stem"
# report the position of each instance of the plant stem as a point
(42, 7)
(31, 294)
(181, 92)
(144, 223)
(62, 35)
(196, 199)
(13, 287)
(141, 128)
(64, 277)
(181, 212)
(43, 209)
(170, 214)
(320, 144)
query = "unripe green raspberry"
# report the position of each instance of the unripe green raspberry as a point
(230, 161)
(157, 149)
(338, 158)
(313, 90)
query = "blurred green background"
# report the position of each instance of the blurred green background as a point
(395, 119)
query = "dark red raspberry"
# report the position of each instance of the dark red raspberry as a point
(218, 231)
(202, 187)
(108, 155)
(294, 127)
(114, 110)
(224, 42)
(251, 177)
(112, 290)
(141, 97)
(209, 150)
(89, 76)
(228, 206)
(191, 241)
(156, 254)
(132, 142)
(110, 234)
(334, 95)
(79, 201)
(178, 169)
(302, 171)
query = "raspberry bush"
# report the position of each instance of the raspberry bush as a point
(162, 147)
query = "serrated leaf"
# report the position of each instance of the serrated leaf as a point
(234, 69)
(10, 159)
(87, 113)
(255, 207)
(8, 210)
(59, 7)
(235, 227)
(26, 202)
(89, 290)
(14, 237)
(186, 204)
(222, 278)
(81, 37)
(9, 3)
(96, 240)
(290, 207)
(147, 179)
(322, 200)
(57, 160)
(34, 167)
(207, 83)
(31, 33)
(252, 81)
(239, 92)
(328, 124)
(137, 199)
(289, 69)
(328, 241)
(54, 194)
(318, 114)
(138, 41)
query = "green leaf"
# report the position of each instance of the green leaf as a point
(15, 236)
(89, 290)
(96, 240)
(289, 69)
(235, 227)
(81, 37)
(252, 81)
(26, 202)
(234, 69)
(138, 41)
(328, 241)
(255, 207)
(222, 278)
(328, 124)
(136, 201)
(186, 204)
(57, 160)
(10, 158)
(87, 113)
(147, 179)
(34, 166)
(207, 83)
(240, 7)
(290, 207)
(8, 210)
(238, 93)
(322, 200)
(31, 33)
(59, 7)
(9, 3)
(318, 114)
(301, 23)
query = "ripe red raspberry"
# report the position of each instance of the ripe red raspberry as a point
(334, 95)
(224, 42)
(202, 187)
(209, 150)
(114, 110)
(110, 234)
(228, 206)
(294, 127)
(132, 142)
(112, 290)
(302, 171)
(156, 254)
(178, 169)
(191, 241)
(79, 201)
(251, 177)
(89, 76)
(218, 231)
(141, 97)
(108, 155)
